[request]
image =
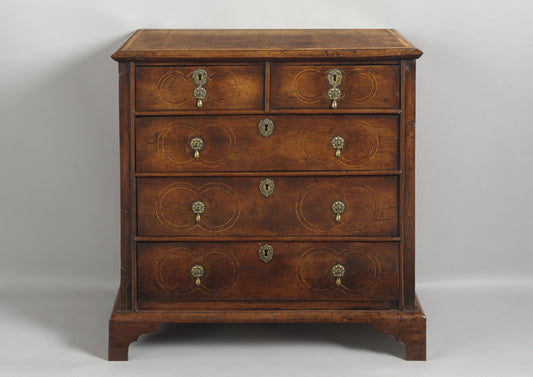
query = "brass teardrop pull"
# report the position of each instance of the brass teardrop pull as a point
(338, 207)
(197, 272)
(197, 144)
(198, 208)
(337, 142)
(338, 273)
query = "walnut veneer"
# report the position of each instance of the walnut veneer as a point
(267, 176)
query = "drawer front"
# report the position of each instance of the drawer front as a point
(357, 86)
(296, 271)
(268, 206)
(258, 143)
(217, 87)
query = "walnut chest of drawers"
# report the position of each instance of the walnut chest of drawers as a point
(267, 176)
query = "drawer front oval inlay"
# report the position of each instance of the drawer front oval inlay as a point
(173, 271)
(314, 207)
(168, 85)
(360, 142)
(173, 143)
(361, 271)
(302, 85)
(221, 206)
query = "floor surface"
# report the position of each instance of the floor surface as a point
(473, 330)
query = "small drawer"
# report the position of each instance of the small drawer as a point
(237, 271)
(200, 87)
(268, 206)
(259, 143)
(334, 86)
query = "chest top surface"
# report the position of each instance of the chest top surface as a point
(162, 44)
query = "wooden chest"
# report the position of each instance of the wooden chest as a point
(267, 176)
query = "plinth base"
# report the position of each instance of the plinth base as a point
(407, 326)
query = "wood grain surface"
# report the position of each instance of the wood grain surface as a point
(362, 86)
(273, 184)
(227, 87)
(299, 206)
(297, 271)
(297, 143)
(360, 44)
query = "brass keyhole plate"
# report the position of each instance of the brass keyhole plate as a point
(266, 187)
(199, 77)
(334, 77)
(266, 252)
(266, 127)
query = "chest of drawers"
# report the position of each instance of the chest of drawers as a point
(267, 176)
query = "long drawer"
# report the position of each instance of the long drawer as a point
(207, 271)
(268, 206)
(261, 143)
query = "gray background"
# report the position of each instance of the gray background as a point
(59, 196)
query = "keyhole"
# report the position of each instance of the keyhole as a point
(334, 77)
(266, 187)
(199, 77)
(266, 127)
(266, 253)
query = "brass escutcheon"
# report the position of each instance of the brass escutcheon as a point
(335, 77)
(198, 208)
(338, 272)
(266, 187)
(338, 207)
(266, 127)
(266, 252)
(199, 77)
(197, 272)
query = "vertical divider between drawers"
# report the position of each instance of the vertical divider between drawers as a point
(267, 86)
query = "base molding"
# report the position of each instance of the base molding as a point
(406, 326)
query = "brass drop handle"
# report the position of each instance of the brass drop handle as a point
(334, 79)
(198, 208)
(338, 207)
(197, 144)
(197, 272)
(337, 142)
(338, 272)
(334, 94)
(199, 77)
